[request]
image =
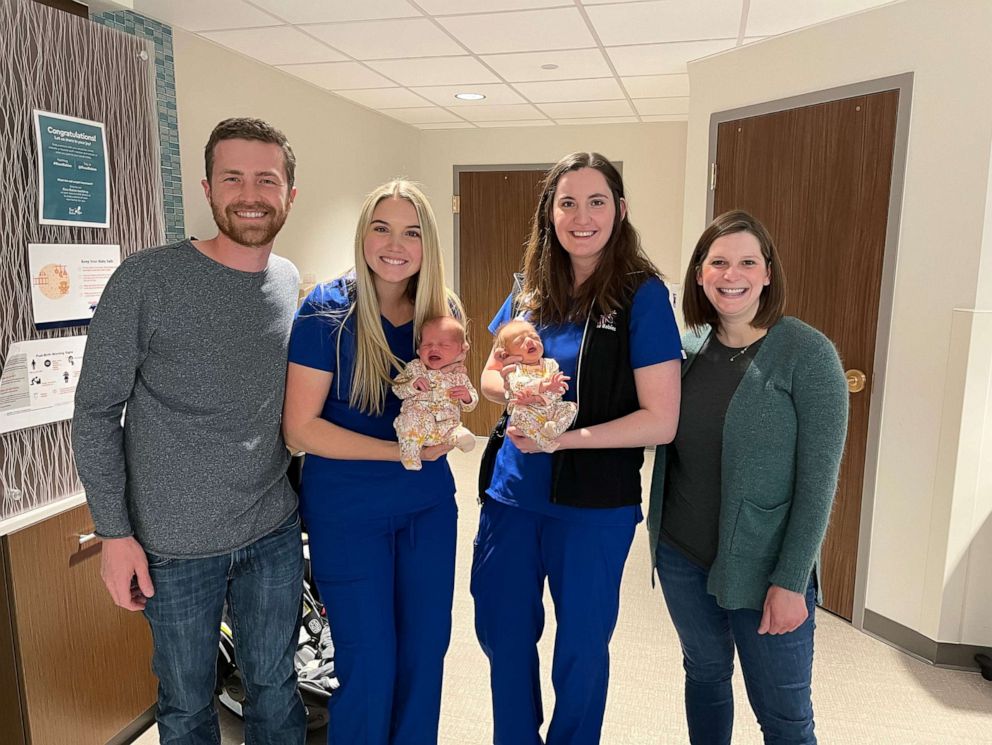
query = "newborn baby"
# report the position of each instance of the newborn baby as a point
(435, 390)
(535, 386)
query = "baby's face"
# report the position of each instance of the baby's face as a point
(440, 347)
(524, 342)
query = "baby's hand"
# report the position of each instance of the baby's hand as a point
(525, 398)
(460, 393)
(421, 384)
(556, 384)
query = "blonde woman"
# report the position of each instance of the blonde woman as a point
(382, 538)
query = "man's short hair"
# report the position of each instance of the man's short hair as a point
(245, 128)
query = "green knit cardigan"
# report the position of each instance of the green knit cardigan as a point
(782, 443)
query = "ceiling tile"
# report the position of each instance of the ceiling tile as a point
(595, 89)
(217, 14)
(365, 40)
(435, 71)
(278, 45)
(576, 109)
(446, 125)
(584, 63)
(421, 115)
(455, 7)
(321, 11)
(600, 120)
(525, 31)
(444, 95)
(339, 76)
(656, 86)
(667, 118)
(767, 17)
(662, 59)
(664, 20)
(521, 123)
(507, 112)
(661, 106)
(384, 98)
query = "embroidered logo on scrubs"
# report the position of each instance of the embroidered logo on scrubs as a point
(607, 321)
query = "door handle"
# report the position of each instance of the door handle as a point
(85, 538)
(855, 381)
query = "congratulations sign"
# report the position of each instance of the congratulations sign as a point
(74, 183)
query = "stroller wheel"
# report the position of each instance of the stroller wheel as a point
(317, 715)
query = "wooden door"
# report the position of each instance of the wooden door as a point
(818, 177)
(84, 664)
(496, 208)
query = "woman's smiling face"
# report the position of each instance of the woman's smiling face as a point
(733, 275)
(583, 214)
(393, 247)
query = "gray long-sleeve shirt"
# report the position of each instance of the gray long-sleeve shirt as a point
(197, 352)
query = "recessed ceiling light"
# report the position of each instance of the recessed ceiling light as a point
(469, 96)
(549, 66)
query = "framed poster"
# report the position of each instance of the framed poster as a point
(74, 181)
(67, 281)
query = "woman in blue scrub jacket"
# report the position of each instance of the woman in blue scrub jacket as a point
(604, 314)
(382, 538)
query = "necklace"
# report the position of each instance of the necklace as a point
(739, 352)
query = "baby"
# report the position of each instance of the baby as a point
(435, 391)
(535, 386)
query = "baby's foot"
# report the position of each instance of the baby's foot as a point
(464, 440)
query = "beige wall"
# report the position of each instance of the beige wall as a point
(653, 158)
(343, 151)
(929, 543)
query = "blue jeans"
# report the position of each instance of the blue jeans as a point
(262, 584)
(777, 669)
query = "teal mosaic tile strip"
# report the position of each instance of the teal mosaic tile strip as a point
(168, 128)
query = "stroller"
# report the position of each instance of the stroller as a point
(314, 658)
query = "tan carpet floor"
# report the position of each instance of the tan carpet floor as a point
(865, 692)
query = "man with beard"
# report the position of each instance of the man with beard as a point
(190, 495)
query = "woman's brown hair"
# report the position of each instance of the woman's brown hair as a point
(548, 279)
(697, 310)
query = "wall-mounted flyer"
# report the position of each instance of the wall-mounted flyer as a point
(67, 281)
(38, 382)
(74, 186)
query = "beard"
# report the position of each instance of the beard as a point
(257, 232)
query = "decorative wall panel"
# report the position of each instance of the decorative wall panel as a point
(56, 62)
(160, 35)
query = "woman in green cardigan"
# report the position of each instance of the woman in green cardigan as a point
(741, 498)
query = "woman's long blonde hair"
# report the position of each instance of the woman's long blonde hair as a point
(427, 290)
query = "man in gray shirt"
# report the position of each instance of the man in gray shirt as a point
(190, 495)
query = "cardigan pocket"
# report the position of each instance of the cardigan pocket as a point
(759, 530)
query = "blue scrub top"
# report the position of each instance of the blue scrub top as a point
(524, 479)
(333, 489)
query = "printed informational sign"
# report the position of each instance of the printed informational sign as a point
(67, 281)
(38, 382)
(74, 182)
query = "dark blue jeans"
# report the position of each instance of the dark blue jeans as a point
(262, 584)
(777, 669)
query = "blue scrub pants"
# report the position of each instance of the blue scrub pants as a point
(387, 586)
(516, 549)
